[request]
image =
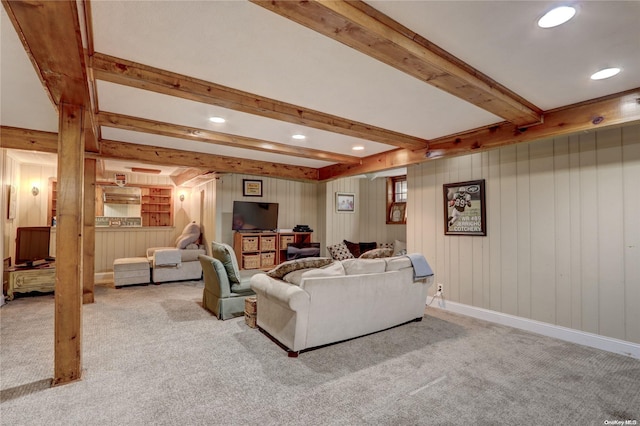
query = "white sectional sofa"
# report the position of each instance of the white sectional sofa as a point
(310, 307)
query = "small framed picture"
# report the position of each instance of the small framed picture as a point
(398, 213)
(251, 188)
(465, 208)
(345, 202)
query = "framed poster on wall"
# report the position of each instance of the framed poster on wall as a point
(465, 208)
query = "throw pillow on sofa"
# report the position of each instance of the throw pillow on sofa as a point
(339, 251)
(190, 235)
(365, 247)
(354, 248)
(332, 270)
(377, 253)
(293, 265)
(357, 249)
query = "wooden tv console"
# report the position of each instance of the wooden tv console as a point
(264, 250)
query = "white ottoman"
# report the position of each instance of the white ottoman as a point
(131, 270)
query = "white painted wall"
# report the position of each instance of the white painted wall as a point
(563, 243)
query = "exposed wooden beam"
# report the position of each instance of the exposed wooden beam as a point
(358, 25)
(615, 109)
(119, 121)
(34, 140)
(187, 175)
(28, 140)
(585, 116)
(140, 76)
(50, 34)
(167, 156)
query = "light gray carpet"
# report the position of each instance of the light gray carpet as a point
(153, 356)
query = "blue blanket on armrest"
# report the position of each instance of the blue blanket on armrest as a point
(421, 268)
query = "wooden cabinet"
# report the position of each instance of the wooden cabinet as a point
(156, 203)
(264, 250)
(157, 206)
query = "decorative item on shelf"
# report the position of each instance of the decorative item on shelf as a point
(302, 228)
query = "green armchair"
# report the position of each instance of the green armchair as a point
(225, 286)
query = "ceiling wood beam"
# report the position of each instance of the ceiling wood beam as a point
(174, 157)
(51, 36)
(188, 175)
(28, 140)
(125, 122)
(35, 140)
(363, 28)
(585, 116)
(140, 76)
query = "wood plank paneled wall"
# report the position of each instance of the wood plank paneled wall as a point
(563, 243)
(368, 223)
(110, 243)
(132, 242)
(297, 202)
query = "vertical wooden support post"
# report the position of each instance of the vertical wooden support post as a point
(89, 231)
(68, 290)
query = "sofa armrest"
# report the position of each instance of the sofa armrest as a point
(287, 295)
(167, 257)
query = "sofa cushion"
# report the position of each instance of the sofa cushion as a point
(331, 270)
(224, 253)
(377, 253)
(340, 251)
(190, 234)
(293, 265)
(364, 266)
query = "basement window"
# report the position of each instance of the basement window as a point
(397, 200)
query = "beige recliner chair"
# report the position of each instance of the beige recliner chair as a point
(225, 286)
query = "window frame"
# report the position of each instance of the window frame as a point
(393, 205)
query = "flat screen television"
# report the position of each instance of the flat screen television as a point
(32, 243)
(248, 216)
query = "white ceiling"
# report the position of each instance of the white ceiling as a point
(246, 47)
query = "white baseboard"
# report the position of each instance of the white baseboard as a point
(597, 341)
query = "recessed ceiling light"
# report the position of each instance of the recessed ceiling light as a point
(299, 137)
(217, 120)
(358, 148)
(557, 16)
(605, 73)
